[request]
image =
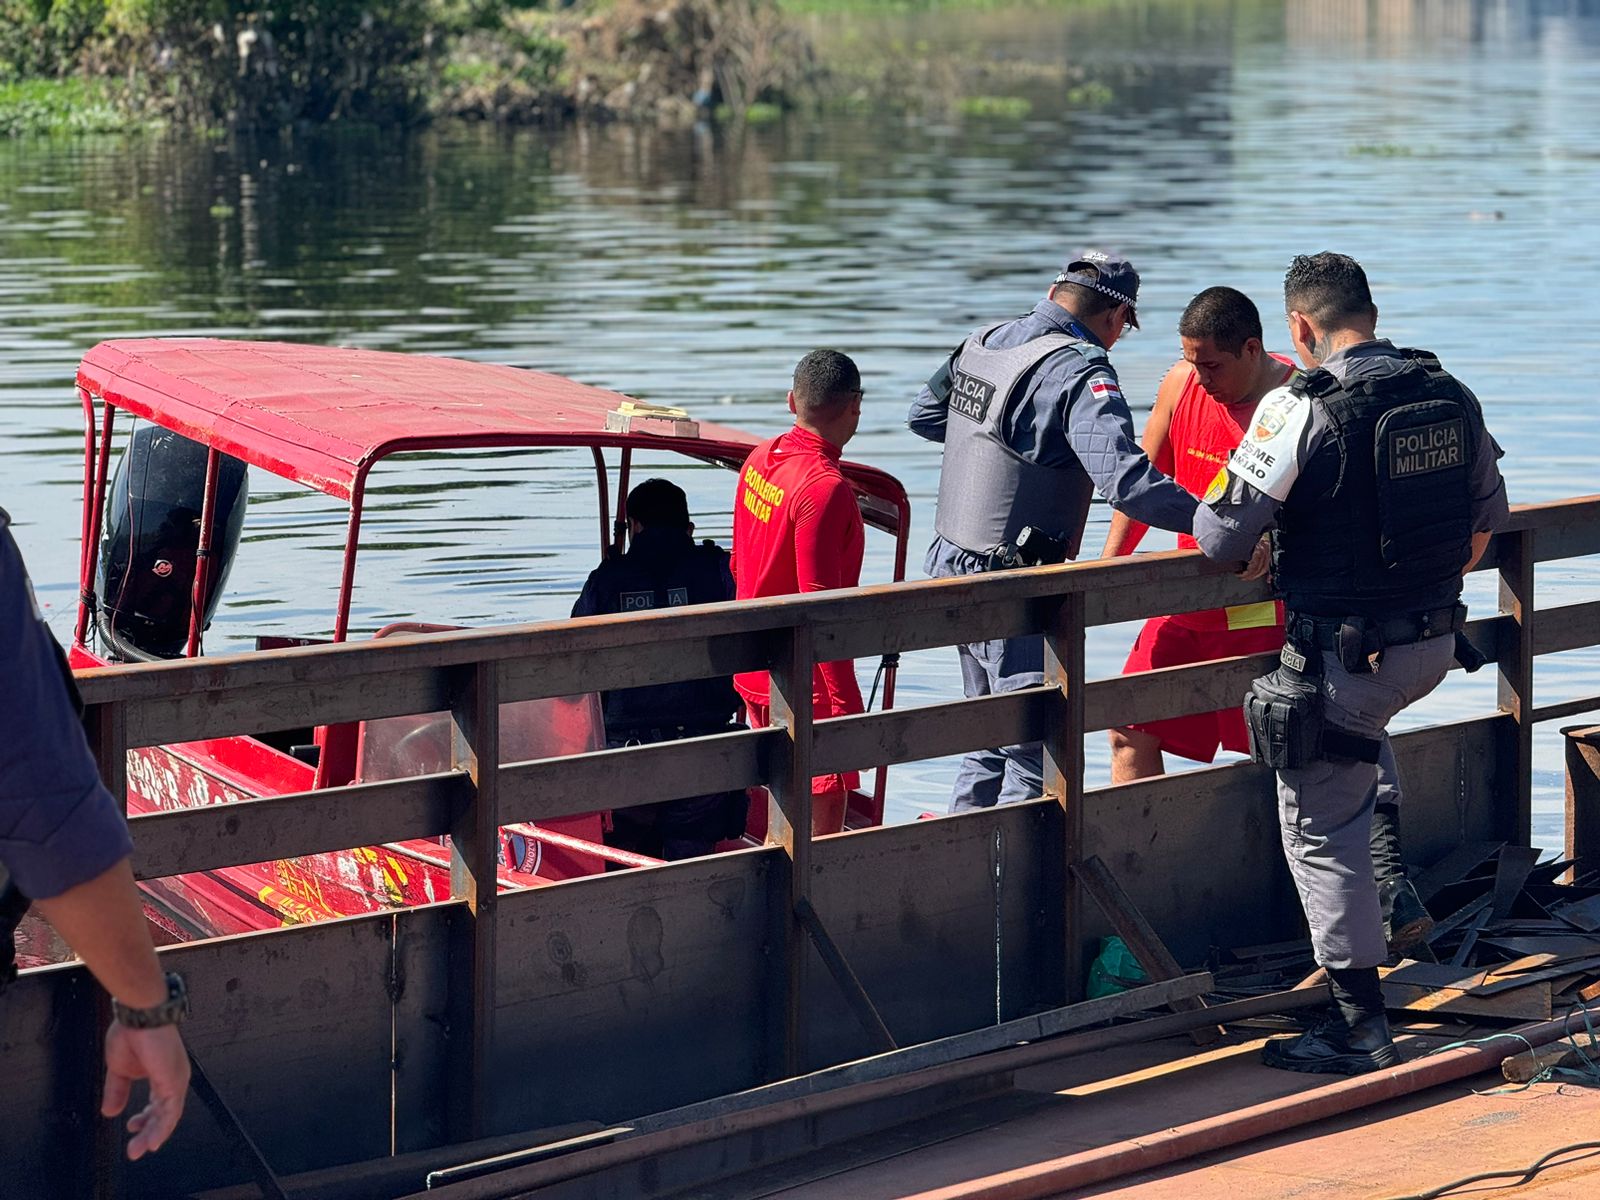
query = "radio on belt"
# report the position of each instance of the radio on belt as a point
(635, 416)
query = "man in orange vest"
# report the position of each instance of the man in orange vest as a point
(797, 528)
(1202, 411)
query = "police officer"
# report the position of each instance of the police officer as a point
(665, 568)
(1381, 482)
(1033, 423)
(64, 843)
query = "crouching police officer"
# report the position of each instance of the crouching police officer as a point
(665, 568)
(1382, 482)
(1033, 423)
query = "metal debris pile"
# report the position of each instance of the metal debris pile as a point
(1509, 942)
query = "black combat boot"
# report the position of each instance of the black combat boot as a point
(1351, 1040)
(1406, 923)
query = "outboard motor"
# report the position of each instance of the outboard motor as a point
(152, 533)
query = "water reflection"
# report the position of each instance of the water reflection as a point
(1448, 143)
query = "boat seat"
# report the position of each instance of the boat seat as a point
(339, 745)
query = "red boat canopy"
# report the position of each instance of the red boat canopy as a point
(322, 415)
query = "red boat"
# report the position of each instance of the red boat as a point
(155, 560)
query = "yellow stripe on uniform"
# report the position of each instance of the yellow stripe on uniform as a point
(1252, 616)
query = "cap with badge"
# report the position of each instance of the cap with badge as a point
(1109, 274)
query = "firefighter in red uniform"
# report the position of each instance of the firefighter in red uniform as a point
(1202, 411)
(796, 528)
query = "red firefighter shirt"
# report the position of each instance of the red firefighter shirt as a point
(1201, 437)
(796, 528)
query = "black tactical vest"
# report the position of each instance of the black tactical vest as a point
(1379, 522)
(665, 570)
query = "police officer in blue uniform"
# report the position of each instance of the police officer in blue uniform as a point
(1381, 484)
(1033, 423)
(663, 568)
(64, 847)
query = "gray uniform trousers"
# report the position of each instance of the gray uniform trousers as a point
(1005, 774)
(1325, 809)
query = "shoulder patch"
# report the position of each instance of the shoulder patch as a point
(1218, 488)
(1268, 458)
(1105, 387)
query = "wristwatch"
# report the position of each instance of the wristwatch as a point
(169, 1012)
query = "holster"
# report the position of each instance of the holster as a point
(1285, 716)
(1283, 712)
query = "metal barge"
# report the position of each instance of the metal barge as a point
(651, 1032)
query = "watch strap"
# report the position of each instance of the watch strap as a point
(170, 1011)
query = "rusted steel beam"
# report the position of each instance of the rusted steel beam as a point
(933, 730)
(1583, 797)
(1567, 627)
(1063, 772)
(789, 826)
(474, 848)
(1073, 1172)
(1096, 879)
(839, 967)
(1514, 653)
(522, 1181)
(547, 788)
(183, 840)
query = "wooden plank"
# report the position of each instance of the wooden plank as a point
(249, 831)
(1139, 935)
(1534, 1064)
(474, 853)
(1494, 984)
(1423, 987)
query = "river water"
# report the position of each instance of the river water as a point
(1451, 145)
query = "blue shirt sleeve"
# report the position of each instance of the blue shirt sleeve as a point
(1490, 507)
(1100, 432)
(931, 408)
(59, 826)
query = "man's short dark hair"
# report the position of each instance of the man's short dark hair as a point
(659, 504)
(1329, 288)
(1223, 316)
(825, 382)
(1085, 301)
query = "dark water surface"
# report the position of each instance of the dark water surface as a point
(1452, 145)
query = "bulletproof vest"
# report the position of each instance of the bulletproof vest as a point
(662, 571)
(987, 492)
(1379, 521)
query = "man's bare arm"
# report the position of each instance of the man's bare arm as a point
(1480, 543)
(1126, 533)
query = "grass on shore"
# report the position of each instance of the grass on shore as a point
(61, 107)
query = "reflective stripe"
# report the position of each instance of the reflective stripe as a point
(1252, 616)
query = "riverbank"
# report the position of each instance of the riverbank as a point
(666, 62)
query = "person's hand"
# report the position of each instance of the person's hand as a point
(1260, 561)
(158, 1056)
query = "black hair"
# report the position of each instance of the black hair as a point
(1224, 316)
(659, 504)
(825, 381)
(1329, 288)
(1086, 301)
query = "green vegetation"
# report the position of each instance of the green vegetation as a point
(1007, 108)
(227, 65)
(54, 107)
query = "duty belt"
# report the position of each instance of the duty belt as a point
(1356, 639)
